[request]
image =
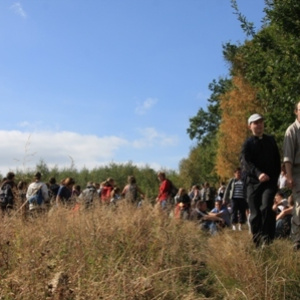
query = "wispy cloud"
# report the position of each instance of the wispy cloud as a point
(142, 108)
(151, 137)
(18, 9)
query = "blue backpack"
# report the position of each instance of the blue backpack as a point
(37, 198)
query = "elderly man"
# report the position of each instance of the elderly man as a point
(291, 158)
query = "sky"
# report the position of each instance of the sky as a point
(94, 82)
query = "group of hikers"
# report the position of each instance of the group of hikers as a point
(39, 196)
(263, 193)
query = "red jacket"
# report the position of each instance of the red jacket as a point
(105, 193)
(164, 190)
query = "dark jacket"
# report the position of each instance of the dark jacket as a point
(260, 155)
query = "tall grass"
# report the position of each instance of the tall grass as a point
(129, 253)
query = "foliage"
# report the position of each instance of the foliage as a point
(200, 165)
(236, 105)
(248, 27)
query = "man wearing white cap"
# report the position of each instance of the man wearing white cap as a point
(291, 159)
(261, 164)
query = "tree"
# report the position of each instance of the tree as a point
(236, 105)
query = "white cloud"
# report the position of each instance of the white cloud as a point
(18, 9)
(150, 138)
(22, 150)
(142, 108)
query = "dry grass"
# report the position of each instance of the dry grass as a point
(244, 272)
(105, 253)
(129, 253)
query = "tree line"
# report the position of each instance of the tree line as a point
(263, 77)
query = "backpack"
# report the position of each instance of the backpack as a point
(173, 189)
(37, 198)
(88, 195)
(132, 193)
(6, 196)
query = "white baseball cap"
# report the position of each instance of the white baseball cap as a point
(254, 118)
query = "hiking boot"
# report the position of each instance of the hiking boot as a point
(31, 206)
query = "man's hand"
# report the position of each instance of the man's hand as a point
(263, 177)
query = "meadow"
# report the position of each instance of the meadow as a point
(129, 253)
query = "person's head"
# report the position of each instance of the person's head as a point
(110, 182)
(131, 179)
(297, 110)
(10, 176)
(52, 180)
(195, 187)
(76, 188)
(256, 124)
(97, 185)
(182, 191)
(237, 173)
(202, 205)
(89, 184)
(69, 182)
(279, 196)
(218, 204)
(161, 176)
(37, 176)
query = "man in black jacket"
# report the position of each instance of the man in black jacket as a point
(261, 163)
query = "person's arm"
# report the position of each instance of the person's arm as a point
(247, 161)
(124, 191)
(289, 146)
(289, 177)
(285, 212)
(218, 214)
(210, 217)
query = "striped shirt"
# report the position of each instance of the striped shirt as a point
(238, 190)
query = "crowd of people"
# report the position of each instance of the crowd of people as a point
(39, 196)
(256, 197)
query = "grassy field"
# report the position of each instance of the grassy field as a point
(129, 253)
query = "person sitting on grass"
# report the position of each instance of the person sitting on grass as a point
(207, 221)
(220, 210)
(284, 210)
(182, 204)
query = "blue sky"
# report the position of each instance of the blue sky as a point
(100, 81)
